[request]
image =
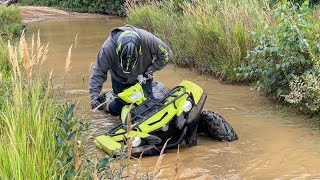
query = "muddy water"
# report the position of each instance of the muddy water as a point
(273, 144)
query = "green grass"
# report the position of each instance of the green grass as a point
(27, 120)
(10, 22)
(10, 28)
(212, 36)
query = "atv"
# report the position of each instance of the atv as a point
(151, 123)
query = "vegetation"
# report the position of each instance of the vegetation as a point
(10, 21)
(300, 2)
(10, 28)
(286, 61)
(279, 49)
(40, 137)
(212, 36)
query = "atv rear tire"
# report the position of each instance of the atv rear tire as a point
(216, 127)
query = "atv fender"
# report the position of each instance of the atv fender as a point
(193, 120)
(196, 110)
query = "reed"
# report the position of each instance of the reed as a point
(67, 66)
(156, 171)
(212, 36)
(176, 169)
(27, 121)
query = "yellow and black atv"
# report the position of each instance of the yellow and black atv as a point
(153, 122)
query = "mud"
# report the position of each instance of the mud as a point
(37, 14)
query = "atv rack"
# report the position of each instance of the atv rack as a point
(148, 108)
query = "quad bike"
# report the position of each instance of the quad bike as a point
(174, 118)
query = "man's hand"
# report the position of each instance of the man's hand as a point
(95, 103)
(148, 74)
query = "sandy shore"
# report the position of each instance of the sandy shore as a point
(36, 14)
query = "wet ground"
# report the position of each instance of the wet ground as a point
(36, 14)
(273, 144)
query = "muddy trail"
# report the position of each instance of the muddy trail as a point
(36, 14)
(273, 144)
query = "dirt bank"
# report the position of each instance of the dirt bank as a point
(36, 14)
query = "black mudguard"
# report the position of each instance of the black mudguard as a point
(193, 120)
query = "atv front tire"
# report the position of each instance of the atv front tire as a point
(216, 127)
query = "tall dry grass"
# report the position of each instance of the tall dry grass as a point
(27, 118)
(211, 35)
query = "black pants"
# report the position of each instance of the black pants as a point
(116, 106)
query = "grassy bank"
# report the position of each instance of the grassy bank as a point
(10, 22)
(212, 36)
(28, 109)
(277, 47)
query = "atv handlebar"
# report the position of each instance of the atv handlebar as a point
(142, 80)
(108, 96)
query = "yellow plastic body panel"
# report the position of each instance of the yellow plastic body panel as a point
(107, 144)
(125, 95)
(166, 114)
(194, 89)
(131, 134)
(111, 144)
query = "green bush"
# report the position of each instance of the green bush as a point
(312, 2)
(212, 36)
(286, 61)
(10, 21)
(10, 27)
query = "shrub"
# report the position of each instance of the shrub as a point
(312, 2)
(285, 62)
(305, 91)
(10, 21)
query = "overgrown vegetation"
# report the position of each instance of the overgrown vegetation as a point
(10, 28)
(212, 36)
(286, 61)
(277, 48)
(10, 22)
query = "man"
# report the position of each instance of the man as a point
(127, 53)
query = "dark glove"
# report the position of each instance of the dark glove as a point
(148, 74)
(95, 103)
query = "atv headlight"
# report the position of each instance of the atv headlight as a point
(165, 128)
(136, 96)
(187, 106)
(136, 142)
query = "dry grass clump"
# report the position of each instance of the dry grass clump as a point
(27, 118)
(130, 4)
(67, 66)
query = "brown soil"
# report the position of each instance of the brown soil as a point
(36, 14)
